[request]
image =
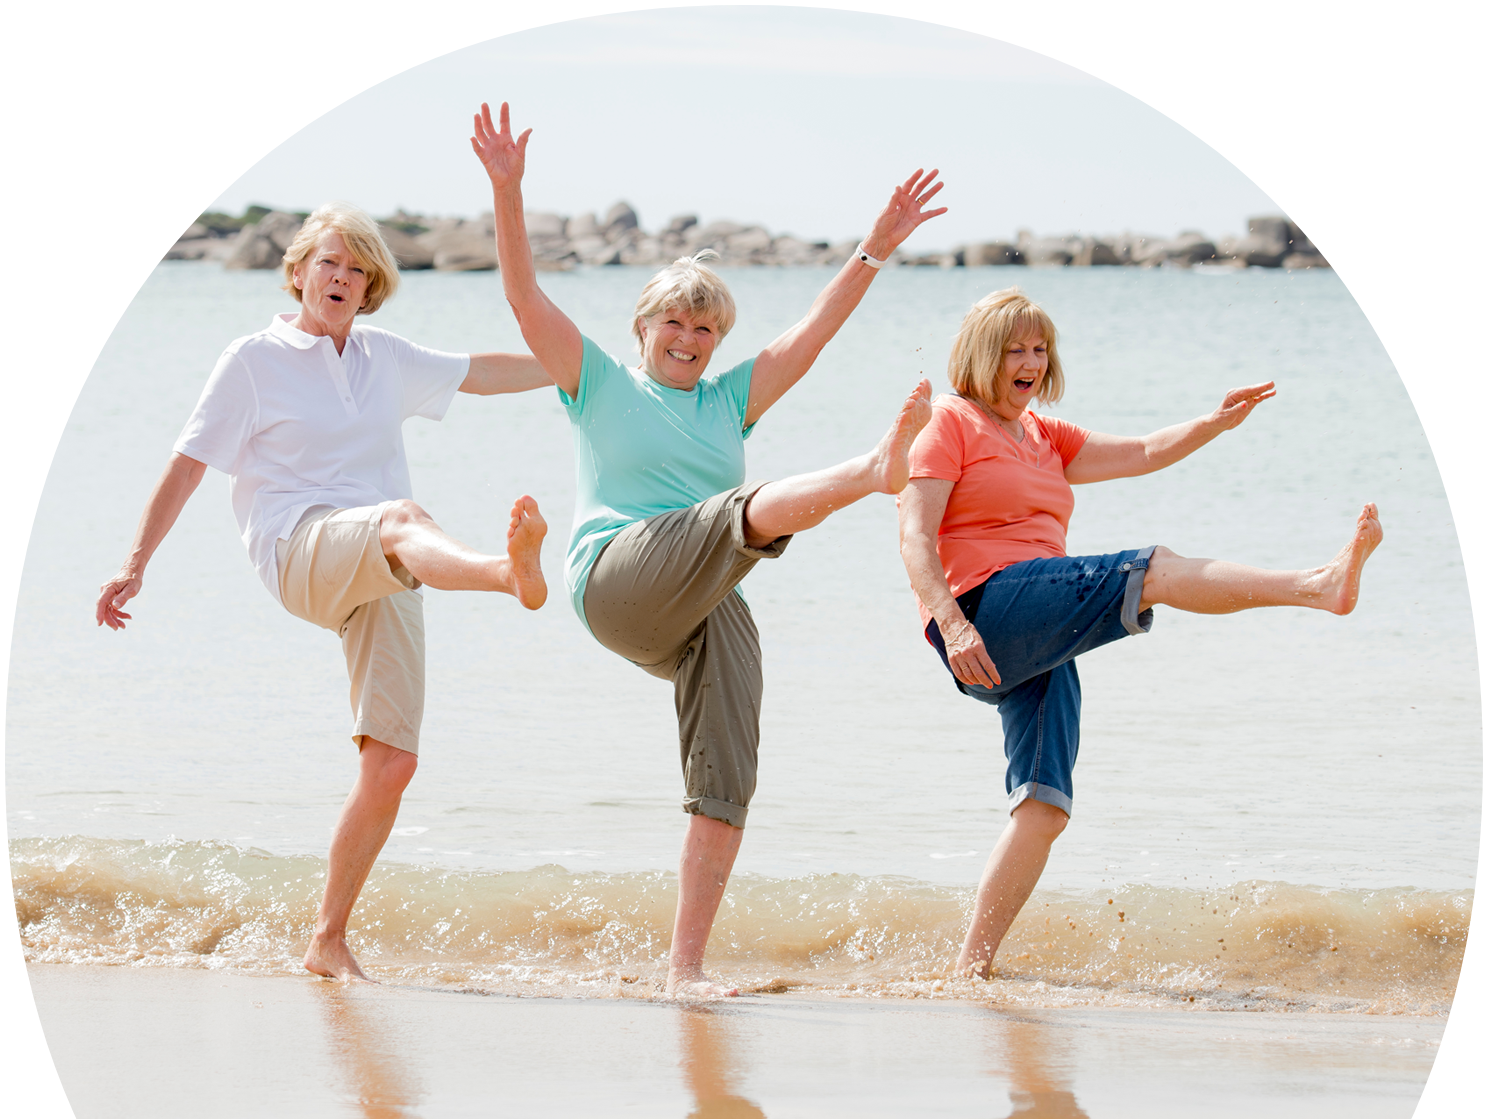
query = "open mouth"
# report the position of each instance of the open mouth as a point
(1023, 384)
(676, 355)
(337, 298)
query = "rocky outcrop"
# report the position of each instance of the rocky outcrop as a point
(259, 238)
(262, 244)
(458, 245)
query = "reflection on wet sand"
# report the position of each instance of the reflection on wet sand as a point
(709, 1065)
(1034, 1059)
(375, 1075)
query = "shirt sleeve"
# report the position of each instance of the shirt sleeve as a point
(225, 418)
(939, 450)
(430, 377)
(595, 366)
(733, 385)
(1066, 438)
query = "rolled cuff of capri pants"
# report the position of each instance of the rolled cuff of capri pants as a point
(1032, 790)
(730, 814)
(1134, 622)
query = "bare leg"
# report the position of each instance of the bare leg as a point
(795, 504)
(708, 854)
(1204, 586)
(410, 538)
(1012, 871)
(366, 820)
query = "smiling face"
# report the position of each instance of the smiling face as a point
(332, 284)
(676, 346)
(1025, 363)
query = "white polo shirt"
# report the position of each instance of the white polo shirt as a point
(295, 424)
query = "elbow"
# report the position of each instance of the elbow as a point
(913, 545)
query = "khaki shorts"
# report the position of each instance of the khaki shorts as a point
(332, 572)
(661, 594)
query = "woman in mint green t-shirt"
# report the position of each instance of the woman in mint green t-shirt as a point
(664, 526)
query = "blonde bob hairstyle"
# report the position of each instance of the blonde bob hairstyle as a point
(364, 240)
(987, 333)
(687, 285)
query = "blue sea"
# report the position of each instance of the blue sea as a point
(1306, 787)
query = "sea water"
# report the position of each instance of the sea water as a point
(1275, 807)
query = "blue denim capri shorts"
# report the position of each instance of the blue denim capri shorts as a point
(1035, 618)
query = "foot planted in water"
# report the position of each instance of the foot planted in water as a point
(329, 958)
(695, 984)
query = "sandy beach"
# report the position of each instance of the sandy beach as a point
(165, 1042)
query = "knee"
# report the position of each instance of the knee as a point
(1159, 559)
(398, 771)
(1040, 820)
(398, 515)
(387, 770)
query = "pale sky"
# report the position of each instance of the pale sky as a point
(801, 120)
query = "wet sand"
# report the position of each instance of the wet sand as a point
(163, 1042)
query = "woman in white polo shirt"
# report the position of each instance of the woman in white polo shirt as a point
(306, 419)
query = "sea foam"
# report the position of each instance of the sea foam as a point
(546, 930)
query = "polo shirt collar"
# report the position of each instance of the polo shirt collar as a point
(279, 327)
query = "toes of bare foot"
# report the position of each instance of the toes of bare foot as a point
(919, 405)
(893, 451)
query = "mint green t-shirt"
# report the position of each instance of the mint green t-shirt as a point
(642, 448)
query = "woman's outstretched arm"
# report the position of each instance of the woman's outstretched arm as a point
(1125, 456)
(550, 334)
(784, 361)
(177, 482)
(921, 509)
(496, 373)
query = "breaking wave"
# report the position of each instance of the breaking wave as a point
(1268, 945)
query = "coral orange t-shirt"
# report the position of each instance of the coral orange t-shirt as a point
(1010, 500)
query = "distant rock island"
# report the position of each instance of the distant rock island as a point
(259, 237)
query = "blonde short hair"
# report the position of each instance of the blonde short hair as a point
(364, 240)
(687, 285)
(987, 332)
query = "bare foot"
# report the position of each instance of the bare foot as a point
(978, 969)
(891, 456)
(524, 539)
(329, 957)
(1341, 577)
(696, 985)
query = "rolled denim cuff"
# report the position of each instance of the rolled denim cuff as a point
(1048, 794)
(1136, 569)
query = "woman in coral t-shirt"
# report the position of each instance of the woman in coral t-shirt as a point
(982, 531)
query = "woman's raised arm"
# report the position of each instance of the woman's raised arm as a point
(549, 333)
(1104, 457)
(922, 507)
(177, 482)
(784, 361)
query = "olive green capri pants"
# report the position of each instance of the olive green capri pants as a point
(662, 595)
